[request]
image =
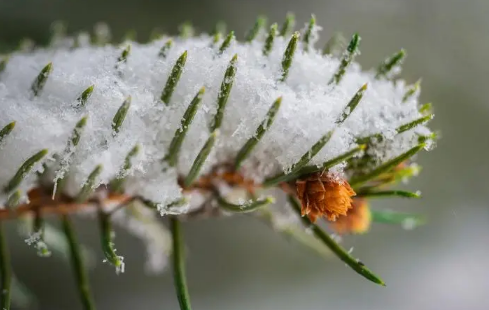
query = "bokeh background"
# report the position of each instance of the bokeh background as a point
(239, 263)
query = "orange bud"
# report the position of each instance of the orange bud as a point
(356, 221)
(323, 196)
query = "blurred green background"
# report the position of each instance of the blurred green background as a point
(239, 263)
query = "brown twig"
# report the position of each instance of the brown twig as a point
(40, 199)
(46, 205)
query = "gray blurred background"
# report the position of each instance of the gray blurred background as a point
(239, 263)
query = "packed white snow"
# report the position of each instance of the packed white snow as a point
(309, 109)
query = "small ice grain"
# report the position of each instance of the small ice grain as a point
(35, 240)
(121, 267)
